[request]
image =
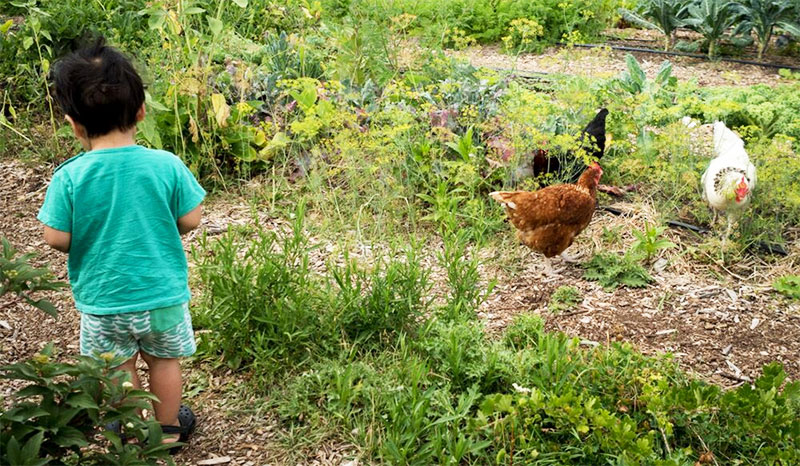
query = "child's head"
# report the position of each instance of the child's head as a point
(99, 90)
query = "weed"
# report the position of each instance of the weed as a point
(613, 270)
(54, 419)
(649, 242)
(564, 299)
(788, 285)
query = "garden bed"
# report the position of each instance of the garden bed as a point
(720, 330)
(607, 63)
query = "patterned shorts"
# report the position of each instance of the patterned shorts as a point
(163, 333)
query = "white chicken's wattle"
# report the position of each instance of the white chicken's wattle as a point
(730, 178)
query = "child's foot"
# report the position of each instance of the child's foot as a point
(187, 422)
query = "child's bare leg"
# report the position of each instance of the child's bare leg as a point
(165, 383)
(130, 367)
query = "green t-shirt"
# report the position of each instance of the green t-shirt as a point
(121, 206)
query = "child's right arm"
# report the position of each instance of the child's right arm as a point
(190, 221)
(56, 212)
(57, 239)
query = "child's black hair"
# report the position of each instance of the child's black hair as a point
(99, 88)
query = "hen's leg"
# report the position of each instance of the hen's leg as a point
(727, 230)
(570, 259)
(548, 270)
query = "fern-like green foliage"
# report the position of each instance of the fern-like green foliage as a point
(613, 270)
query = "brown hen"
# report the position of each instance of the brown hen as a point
(548, 220)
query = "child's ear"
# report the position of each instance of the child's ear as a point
(141, 113)
(77, 128)
(80, 133)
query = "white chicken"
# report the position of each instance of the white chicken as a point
(730, 178)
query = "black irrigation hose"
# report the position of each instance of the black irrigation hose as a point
(682, 54)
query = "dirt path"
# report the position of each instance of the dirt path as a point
(732, 326)
(607, 63)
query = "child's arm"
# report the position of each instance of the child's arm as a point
(190, 221)
(56, 212)
(56, 239)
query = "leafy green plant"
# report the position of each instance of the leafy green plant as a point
(664, 16)
(763, 16)
(649, 242)
(263, 303)
(564, 298)
(386, 302)
(613, 270)
(463, 276)
(465, 146)
(635, 81)
(55, 418)
(788, 285)
(18, 276)
(712, 19)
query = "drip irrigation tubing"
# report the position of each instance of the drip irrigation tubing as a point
(682, 54)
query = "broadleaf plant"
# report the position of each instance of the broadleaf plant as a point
(763, 16)
(665, 16)
(712, 19)
(18, 276)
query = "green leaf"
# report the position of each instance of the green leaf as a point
(6, 26)
(214, 25)
(32, 390)
(46, 306)
(31, 449)
(82, 400)
(193, 10)
(241, 3)
(157, 19)
(69, 436)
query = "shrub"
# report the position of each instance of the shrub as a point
(55, 418)
(261, 302)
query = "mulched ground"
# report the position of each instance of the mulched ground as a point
(607, 63)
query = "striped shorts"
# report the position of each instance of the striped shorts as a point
(163, 333)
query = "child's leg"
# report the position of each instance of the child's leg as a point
(166, 384)
(130, 367)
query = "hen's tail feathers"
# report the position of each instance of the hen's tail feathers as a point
(505, 198)
(597, 130)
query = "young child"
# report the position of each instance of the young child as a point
(119, 209)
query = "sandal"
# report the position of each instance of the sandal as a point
(116, 427)
(187, 421)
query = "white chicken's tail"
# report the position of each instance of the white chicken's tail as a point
(726, 141)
